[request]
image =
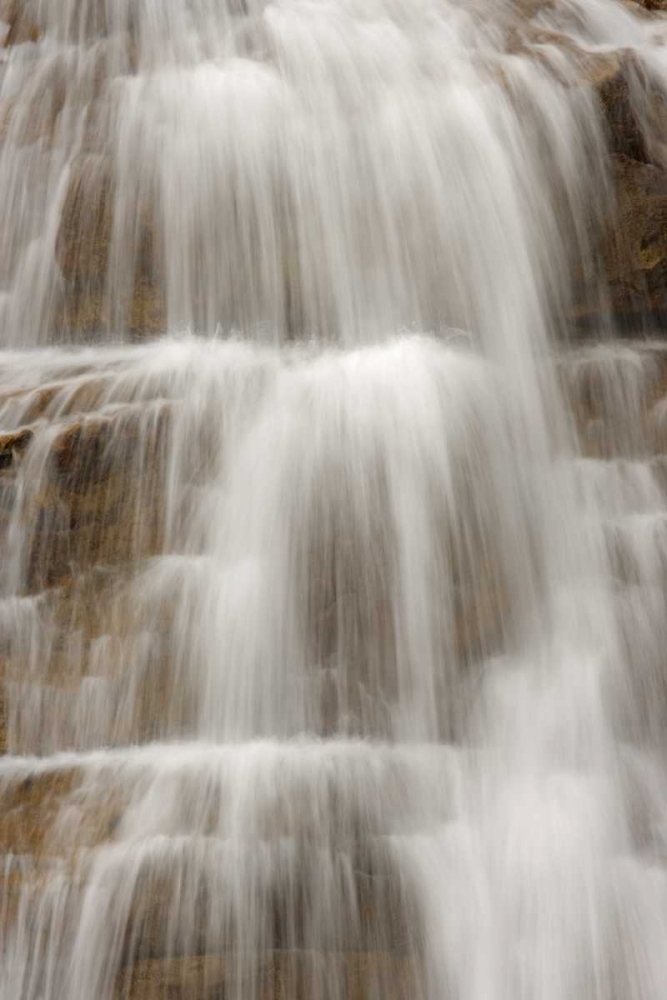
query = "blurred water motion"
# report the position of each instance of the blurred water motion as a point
(334, 593)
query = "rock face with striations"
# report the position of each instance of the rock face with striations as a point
(84, 246)
(91, 244)
(93, 500)
(635, 253)
(20, 25)
(632, 242)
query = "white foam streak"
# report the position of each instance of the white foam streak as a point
(333, 644)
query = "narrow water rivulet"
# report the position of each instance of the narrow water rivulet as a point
(333, 500)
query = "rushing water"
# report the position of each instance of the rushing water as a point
(332, 620)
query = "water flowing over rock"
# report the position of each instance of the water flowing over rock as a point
(332, 502)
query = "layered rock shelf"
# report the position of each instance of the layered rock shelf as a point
(115, 458)
(100, 287)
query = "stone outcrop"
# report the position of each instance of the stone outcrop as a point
(83, 507)
(635, 252)
(53, 818)
(89, 303)
(612, 78)
(653, 4)
(281, 976)
(102, 469)
(92, 303)
(87, 488)
(617, 399)
(84, 237)
(631, 244)
(21, 27)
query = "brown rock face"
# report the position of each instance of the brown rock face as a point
(83, 473)
(98, 508)
(22, 27)
(613, 79)
(83, 251)
(87, 508)
(635, 254)
(633, 250)
(82, 245)
(279, 976)
(29, 808)
(632, 245)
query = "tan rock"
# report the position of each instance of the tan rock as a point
(3, 713)
(83, 250)
(635, 252)
(83, 312)
(632, 249)
(28, 809)
(276, 976)
(22, 26)
(84, 237)
(13, 444)
(34, 117)
(612, 77)
(88, 511)
(147, 311)
(653, 5)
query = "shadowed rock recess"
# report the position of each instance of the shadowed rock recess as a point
(333, 472)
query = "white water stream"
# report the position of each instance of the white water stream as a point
(347, 664)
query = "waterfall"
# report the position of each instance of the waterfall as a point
(334, 589)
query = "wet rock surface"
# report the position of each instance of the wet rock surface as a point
(66, 818)
(83, 480)
(21, 25)
(279, 976)
(109, 275)
(630, 244)
(636, 254)
(83, 253)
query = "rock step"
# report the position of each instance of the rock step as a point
(99, 236)
(325, 875)
(278, 975)
(617, 396)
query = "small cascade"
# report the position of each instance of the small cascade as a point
(333, 506)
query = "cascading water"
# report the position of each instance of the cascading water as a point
(332, 619)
